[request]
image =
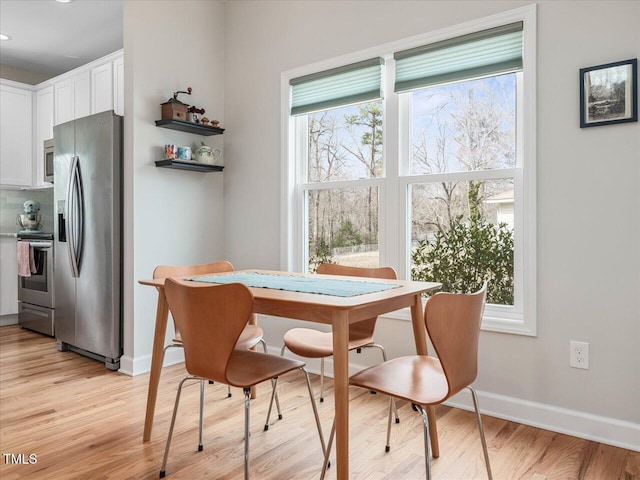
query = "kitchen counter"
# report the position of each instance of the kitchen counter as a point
(8, 235)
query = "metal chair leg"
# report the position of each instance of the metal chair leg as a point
(173, 422)
(484, 442)
(322, 380)
(325, 463)
(315, 409)
(274, 394)
(427, 444)
(391, 405)
(274, 386)
(264, 349)
(200, 447)
(384, 359)
(247, 396)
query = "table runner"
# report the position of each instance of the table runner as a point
(292, 283)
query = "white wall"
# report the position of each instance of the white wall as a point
(171, 216)
(588, 258)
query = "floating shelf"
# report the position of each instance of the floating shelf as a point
(189, 127)
(187, 165)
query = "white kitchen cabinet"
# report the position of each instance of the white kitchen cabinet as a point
(73, 97)
(118, 85)
(16, 160)
(94, 88)
(63, 101)
(102, 88)
(43, 129)
(8, 276)
(82, 95)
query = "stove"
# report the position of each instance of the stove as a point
(35, 292)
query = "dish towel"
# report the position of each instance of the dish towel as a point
(26, 262)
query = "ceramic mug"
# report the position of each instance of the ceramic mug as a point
(170, 151)
(184, 153)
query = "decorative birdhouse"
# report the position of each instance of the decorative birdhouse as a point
(174, 109)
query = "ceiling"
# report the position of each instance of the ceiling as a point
(51, 38)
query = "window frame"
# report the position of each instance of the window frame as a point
(393, 192)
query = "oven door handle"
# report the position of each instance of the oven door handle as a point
(41, 245)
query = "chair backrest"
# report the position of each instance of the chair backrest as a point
(166, 271)
(453, 323)
(364, 329)
(211, 319)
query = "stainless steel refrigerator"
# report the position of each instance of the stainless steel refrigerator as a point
(88, 236)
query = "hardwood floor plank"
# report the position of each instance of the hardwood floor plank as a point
(85, 422)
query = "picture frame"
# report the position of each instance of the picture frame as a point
(608, 93)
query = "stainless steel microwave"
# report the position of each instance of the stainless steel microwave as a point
(48, 160)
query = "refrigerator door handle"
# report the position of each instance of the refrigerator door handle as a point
(79, 210)
(71, 217)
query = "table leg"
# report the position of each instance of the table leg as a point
(341, 391)
(420, 335)
(157, 357)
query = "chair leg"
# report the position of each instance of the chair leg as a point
(322, 380)
(384, 359)
(173, 422)
(315, 409)
(274, 386)
(427, 444)
(247, 396)
(201, 415)
(391, 405)
(484, 442)
(325, 463)
(274, 394)
(264, 349)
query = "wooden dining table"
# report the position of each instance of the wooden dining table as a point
(339, 312)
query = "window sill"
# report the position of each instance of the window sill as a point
(495, 319)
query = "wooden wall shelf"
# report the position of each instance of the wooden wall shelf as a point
(189, 127)
(188, 165)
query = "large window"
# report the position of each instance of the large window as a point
(422, 158)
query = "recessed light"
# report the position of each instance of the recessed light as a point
(4, 37)
(64, 1)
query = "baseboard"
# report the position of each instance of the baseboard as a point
(607, 430)
(10, 319)
(139, 365)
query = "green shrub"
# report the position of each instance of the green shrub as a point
(466, 255)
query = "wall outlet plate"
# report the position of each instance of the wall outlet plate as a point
(579, 355)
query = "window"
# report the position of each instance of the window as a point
(428, 165)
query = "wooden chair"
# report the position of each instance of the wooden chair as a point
(453, 324)
(310, 343)
(211, 319)
(249, 338)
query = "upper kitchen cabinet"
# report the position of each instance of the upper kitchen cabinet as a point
(118, 85)
(93, 88)
(43, 124)
(73, 97)
(16, 159)
(102, 88)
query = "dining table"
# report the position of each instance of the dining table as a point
(327, 309)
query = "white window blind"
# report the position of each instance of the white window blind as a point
(488, 52)
(349, 84)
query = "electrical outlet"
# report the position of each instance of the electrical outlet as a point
(579, 355)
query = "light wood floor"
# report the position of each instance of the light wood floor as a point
(84, 422)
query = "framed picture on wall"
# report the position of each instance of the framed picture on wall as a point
(608, 93)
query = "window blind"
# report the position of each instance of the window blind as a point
(340, 86)
(488, 52)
